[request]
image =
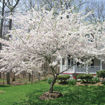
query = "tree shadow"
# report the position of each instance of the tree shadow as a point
(4, 85)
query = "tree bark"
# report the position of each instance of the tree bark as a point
(11, 8)
(0, 75)
(2, 22)
(32, 76)
(8, 78)
(38, 76)
(10, 24)
(52, 85)
(13, 79)
(3, 78)
(29, 77)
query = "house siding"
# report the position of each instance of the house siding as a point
(103, 66)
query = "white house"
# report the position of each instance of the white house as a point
(92, 68)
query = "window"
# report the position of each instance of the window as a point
(90, 37)
(68, 61)
(92, 64)
(78, 64)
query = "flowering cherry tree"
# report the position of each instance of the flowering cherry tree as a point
(40, 36)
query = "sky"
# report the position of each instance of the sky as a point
(22, 3)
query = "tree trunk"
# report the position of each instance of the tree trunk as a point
(8, 78)
(3, 78)
(52, 85)
(13, 79)
(38, 76)
(29, 77)
(0, 75)
(2, 22)
(32, 77)
(10, 24)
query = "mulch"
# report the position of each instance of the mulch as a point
(47, 95)
(89, 84)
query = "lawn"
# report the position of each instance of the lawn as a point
(73, 95)
(10, 94)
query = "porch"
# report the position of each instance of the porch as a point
(92, 68)
(78, 70)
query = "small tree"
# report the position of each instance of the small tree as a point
(101, 74)
(85, 77)
(41, 37)
(63, 78)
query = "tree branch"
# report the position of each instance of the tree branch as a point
(66, 69)
(10, 6)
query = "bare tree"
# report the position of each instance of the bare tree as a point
(98, 9)
(26, 5)
(11, 6)
(2, 21)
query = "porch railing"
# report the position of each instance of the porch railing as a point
(89, 69)
(70, 69)
(76, 69)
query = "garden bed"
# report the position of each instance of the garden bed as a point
(47, 95)
(89, 84)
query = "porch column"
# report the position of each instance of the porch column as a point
(74, 69)
(87, 71)
(66, 63)
(61, 65)
(100, 64)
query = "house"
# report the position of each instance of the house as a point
(92, 68)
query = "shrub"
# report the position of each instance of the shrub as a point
(72, 82)
(85, 77)
(49, 80)
(95, 79)
(75, 75)
(63, 78)
(103, 82)
(101, 73)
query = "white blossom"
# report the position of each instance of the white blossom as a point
(39, 37)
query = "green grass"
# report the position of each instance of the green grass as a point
(10, 94)
(73, 95)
